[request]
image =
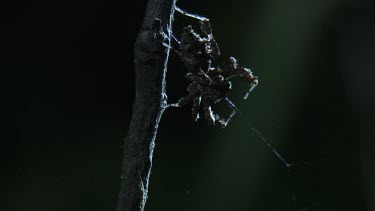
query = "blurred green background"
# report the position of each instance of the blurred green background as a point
(67, 92)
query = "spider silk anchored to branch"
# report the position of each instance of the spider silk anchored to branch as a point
(210, 81)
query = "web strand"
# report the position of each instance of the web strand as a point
(260, 136)
(287, 164)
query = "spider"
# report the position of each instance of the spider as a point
(209, 79)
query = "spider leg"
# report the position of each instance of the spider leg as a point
(208, 113)
(201, 18)
(183, 101)
(252, 87)
(223, 122)
(165, 37)
(205, 27)
(193, 93)
(246, 73)
(214, 118)
(195, 108)
(207, 30)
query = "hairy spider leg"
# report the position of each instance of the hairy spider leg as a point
(207, 30)
(212, 117)
(195, 108)
(201, 18)
(193, 93)
(252, 87)
(245, 73)
(224, 122)
(205, 27)
(208, 113)
(184, 100)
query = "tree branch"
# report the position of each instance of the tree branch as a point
(151, 60)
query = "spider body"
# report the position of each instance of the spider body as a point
(209, 81)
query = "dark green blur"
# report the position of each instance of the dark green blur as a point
(68, 92)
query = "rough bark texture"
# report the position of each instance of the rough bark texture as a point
(150, 67)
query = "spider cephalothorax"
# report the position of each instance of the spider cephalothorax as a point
(209, 80)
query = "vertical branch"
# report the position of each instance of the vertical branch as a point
(151, 60)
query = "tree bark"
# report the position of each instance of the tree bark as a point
(151, 59)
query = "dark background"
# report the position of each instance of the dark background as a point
(67, 90)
